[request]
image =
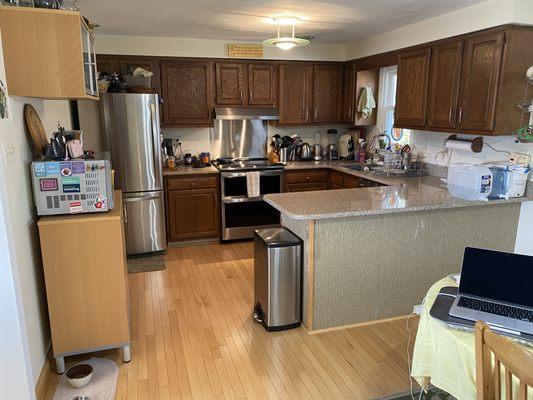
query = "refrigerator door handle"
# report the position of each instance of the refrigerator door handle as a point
(158, 167)
(142, 197)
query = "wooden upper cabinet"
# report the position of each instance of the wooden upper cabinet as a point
(187, 90)
(107, 63)
(327, 92)
(348, 98)
(295, 93)
(262, 83)
(48, 54)
(444, 85)
(147, 63)
(411, 93)
(479, 82)
(230, 81)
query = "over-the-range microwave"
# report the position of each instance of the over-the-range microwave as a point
(73, 186)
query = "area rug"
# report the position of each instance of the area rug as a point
(433, 393)
(103, 385)
(146, 264)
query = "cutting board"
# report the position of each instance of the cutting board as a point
(35, 128)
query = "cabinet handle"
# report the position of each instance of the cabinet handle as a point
(250, 97)
(316, 113)
(193, 184)
(460, 114)
(307, 114)
(450, 115)
(307, 178)
(350, 112)
(124, 213)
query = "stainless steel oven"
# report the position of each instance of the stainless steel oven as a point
(241, 215)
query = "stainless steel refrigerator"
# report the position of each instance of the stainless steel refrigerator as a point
(131, 133)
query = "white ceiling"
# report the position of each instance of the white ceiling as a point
(334, 22)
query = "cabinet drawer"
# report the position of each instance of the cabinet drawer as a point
(336, 178)
(306, 187)
(351, 181)
(191, 182)
(333, 186)
(306, 176)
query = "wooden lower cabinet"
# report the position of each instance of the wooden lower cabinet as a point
(313, 179)
(192, 207)
(84, 263)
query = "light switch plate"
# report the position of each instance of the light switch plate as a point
(9, 150)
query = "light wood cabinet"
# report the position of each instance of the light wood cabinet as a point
(193, 207)
(48, 54)
(84, 261)
(187, 90)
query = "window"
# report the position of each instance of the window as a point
(386, 105)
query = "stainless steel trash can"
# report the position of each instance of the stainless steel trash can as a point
(277, 278)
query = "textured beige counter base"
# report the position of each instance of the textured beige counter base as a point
(375, 267)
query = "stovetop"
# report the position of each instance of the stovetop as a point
(250, 164)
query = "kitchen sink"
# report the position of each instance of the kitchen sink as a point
(360, 167)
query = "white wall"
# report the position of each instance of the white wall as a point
(185, 47)
(480, 16)
(21, 221)
(15, 369)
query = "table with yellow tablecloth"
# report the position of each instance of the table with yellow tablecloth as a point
(443, 356)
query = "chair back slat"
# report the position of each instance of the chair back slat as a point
(497, 380)
(522, 391)
(508, 385)
(516, 360)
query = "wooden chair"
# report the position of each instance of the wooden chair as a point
(515, 359)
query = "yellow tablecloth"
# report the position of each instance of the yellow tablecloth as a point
(443, 356)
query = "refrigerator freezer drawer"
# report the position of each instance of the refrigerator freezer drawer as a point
(145, 222)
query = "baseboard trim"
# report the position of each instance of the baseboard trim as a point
(46, 371)
(358, 325)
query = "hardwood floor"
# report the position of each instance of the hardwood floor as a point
(193, 338)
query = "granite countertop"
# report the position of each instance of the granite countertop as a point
(402, 195)
(184, 170)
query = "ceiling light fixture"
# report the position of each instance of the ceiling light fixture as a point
(286, 42)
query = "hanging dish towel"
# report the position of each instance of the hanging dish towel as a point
(253, 184)
(366, 102)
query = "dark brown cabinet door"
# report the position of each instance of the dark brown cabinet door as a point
(193, 214)
(327, 93)
(187, 92)
(108, 64)
(262, 84)
(295, 93)
(444, 85)
(147, 63)
(230, 81)
(479, 81)
(348, 98)
(411, 93)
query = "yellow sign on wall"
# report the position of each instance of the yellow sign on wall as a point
(245, 50)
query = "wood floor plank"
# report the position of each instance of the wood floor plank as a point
(193, 338)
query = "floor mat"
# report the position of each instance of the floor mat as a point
(103, 385)
(146, 264)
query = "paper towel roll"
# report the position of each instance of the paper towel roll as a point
(459, 145)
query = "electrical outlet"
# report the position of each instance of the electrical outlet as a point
(9, 150)
(417, 309)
